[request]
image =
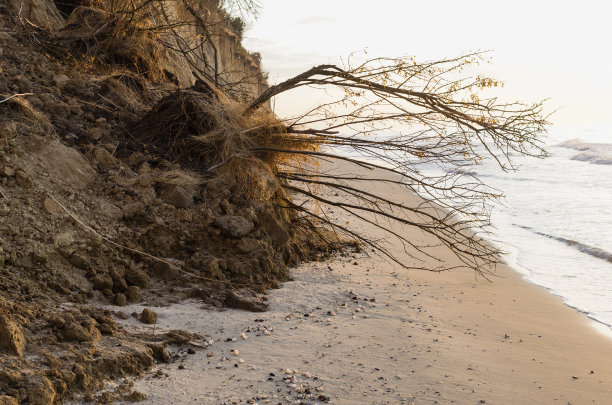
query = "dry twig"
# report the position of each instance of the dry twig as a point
(16, 95)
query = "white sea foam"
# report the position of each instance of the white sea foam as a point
(597, 153)
(558, 219)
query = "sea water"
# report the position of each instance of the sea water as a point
(556, 221)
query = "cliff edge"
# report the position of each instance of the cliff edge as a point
(123, 178)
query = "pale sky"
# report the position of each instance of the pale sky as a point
(541, 49)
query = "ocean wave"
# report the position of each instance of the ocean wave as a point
(596, 153)
(593, 157)
(590, 250)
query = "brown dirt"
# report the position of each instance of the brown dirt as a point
(93, 217)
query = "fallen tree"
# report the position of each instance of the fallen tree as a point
(403, 118)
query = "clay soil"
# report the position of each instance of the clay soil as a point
(92, 219)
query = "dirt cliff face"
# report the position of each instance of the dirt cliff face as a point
(94, 218)
(220, 52)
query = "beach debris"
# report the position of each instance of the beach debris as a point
(245, 299)
(244, 336)
(147, 316)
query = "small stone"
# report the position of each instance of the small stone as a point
(11, 337)
(136, 159)
(40, 391)
(244, 336)
(235, 352)
(135, 396)
(179, 196)
(102, 282)
(165, 270)
(133, 293)
(80, 261)
(234, 226)
(120, 300)
(63, 239)
(245, 299)
(95, 133)
(50, 206)
(23, 179)
(8, 130)
(6, 171)
(7, 400)
(138, 277)
(248, 245)
(104, 159)
(60, 80)
(119, 284)
(147, 316)
(75, 332)
(133, 210)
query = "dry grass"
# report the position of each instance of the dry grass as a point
(107, 34)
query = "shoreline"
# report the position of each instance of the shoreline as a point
(597, 324)
(426, 338)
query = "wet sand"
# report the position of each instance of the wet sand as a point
(361, 330)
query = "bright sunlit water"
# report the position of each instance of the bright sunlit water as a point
(557, 221)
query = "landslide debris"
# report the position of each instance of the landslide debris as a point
(118, 189)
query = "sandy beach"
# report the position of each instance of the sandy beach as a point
(361, 330)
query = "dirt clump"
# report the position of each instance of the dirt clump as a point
(11, 337)
(147, 316)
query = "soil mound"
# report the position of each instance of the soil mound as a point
(117, 189)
